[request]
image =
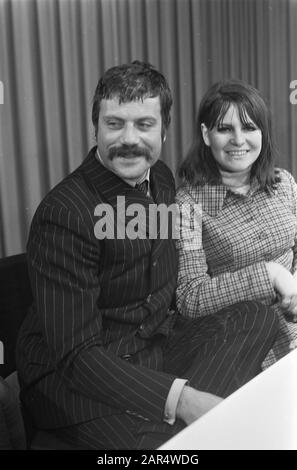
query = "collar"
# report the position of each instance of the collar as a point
(145, 177)
(213, 196)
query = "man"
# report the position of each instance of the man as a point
(102, 358)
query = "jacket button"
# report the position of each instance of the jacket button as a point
(126, 357)
(263, 235)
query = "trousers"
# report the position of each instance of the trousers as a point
(216, 353)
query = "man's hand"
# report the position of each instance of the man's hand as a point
(193, 404)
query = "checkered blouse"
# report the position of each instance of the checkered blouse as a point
(224, 246)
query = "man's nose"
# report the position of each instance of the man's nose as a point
(238, 137)
(130, 135)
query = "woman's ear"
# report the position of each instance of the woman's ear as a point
(205, 136)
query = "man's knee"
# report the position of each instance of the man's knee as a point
(257, 316)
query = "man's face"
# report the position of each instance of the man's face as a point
(129, 136)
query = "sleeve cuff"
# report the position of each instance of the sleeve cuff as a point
(172, 400)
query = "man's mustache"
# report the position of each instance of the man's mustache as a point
(129, 151)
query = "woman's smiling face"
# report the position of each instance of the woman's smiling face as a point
(235, 145)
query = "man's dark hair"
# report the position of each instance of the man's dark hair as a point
(132, 82)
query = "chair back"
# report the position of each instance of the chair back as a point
(15, 299)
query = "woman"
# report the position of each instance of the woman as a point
(245, 240)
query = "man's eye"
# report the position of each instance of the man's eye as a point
(145, 125)
(114, 124)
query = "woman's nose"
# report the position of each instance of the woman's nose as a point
(238, 138)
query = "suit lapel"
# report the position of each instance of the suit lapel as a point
(163, 193)
(105, 183)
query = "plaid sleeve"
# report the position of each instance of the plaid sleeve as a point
(289, 187)
(197, 293)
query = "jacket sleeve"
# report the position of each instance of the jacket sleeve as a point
(63, 257)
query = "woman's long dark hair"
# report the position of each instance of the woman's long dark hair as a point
(200, 167)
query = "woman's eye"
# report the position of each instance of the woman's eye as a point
(250, 127)
(223, 129)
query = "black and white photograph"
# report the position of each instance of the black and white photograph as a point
(148, 228)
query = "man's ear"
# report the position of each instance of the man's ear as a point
(205, 135)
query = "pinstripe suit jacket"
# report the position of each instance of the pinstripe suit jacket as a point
(85, 349)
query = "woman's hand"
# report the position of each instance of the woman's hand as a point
(285, 284)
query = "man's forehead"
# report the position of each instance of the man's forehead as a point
(149, 105)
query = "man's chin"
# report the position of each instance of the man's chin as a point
(131, 170)
(131, 158)
(133, 164)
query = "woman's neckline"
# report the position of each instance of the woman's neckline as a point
(236, 182)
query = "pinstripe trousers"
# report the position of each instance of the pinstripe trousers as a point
(216, 353)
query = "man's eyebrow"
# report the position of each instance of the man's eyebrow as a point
(112, 116)
(118, 118)
(149, 117)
